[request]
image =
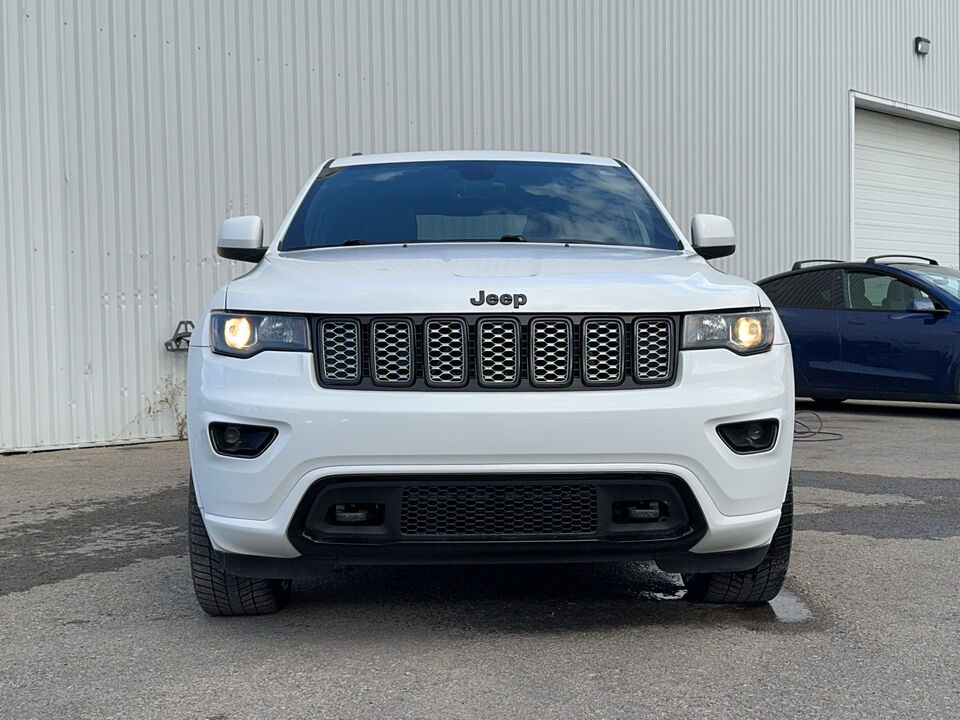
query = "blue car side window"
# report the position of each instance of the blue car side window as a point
(874, 291)
(816, 290)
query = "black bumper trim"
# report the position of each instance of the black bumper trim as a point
(312, 535)
(309, 568)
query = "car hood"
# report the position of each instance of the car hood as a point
(442, 278)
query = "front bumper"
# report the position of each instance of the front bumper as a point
(249, 504)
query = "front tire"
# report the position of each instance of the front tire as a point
(219, 592)
(755, 586)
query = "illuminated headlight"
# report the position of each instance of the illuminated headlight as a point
(743, 332)
(243, 335)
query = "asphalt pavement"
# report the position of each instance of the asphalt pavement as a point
(98, 619)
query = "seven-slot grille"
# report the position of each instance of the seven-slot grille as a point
(507, 352)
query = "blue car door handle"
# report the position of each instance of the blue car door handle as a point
(855, 322)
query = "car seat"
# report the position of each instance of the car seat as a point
(899, 295)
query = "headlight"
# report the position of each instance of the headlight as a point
(743, 332)
(245, 335)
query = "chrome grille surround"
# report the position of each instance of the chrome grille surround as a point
(339, 352)
(391, 352)
(498, 352)
(601, 344)
(551, 352)
(653, 353)
(445, 352)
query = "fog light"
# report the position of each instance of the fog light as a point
(356, 514)
(748, 437)
(754, 432)
(640, 511)
(232, 436)
(237, 440)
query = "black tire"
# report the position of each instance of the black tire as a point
(755, 586)
(828, 403)
(219, 592)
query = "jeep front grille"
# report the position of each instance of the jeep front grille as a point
(551, 352)
(391, 352)
(498, 352)
(520, 352)
(602, 351)
(339, 348)
(445, 352)
(653, 341)
(497, 510)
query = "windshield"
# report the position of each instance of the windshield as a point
(422, 202)
(947, 279)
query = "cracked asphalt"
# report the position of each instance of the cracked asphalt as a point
(98, 620)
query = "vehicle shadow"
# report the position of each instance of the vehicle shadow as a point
(413, 600)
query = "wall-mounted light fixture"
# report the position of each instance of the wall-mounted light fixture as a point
(921, 45)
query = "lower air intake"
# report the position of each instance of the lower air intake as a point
(497, 510)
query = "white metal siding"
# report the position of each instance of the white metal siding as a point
(130, 128)
(906, 188)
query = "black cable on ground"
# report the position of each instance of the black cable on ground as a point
(811, 429)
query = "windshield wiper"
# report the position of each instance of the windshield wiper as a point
(574, 241)
(353, 241)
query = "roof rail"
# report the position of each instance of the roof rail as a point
(872, 260)
(800, 263)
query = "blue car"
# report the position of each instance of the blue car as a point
(875, 331)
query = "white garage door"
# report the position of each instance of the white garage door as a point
(906, 188)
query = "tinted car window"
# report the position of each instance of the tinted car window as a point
(814, 289)
(425, 202)
(873, 291)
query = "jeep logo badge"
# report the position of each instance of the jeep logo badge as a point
(517, 299)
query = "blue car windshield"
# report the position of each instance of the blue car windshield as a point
(478, 201)
(947, 279)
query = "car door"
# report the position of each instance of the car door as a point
(886, 349)
(810, 304)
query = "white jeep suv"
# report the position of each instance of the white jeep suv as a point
(486, 357)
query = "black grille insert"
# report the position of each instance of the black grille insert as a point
(497, 510)
(511, 352)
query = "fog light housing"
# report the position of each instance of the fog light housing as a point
(640, 511)
(363, 514)
(237, 440)
(752, 436)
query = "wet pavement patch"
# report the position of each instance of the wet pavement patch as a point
(106, 536)
(929, 510)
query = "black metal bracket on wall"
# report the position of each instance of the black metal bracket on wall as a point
(180, 342)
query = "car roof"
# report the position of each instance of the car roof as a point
(872, 263)
(461, 155)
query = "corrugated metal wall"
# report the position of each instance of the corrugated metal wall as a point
(130, 129)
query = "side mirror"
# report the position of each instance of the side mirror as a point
(712, 236)
(921, 304)
(241, 238)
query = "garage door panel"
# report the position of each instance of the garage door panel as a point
(906, 188)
